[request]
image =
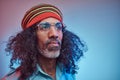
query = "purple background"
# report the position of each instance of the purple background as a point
(95, 21)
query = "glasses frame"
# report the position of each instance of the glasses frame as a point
(50, 25)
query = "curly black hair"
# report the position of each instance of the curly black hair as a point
(23, 48)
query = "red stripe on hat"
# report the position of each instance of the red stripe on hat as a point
(41, 17)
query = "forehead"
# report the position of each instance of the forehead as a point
(50, 20)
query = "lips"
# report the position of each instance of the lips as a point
(54, 43)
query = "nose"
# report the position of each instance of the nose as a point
(53, 33)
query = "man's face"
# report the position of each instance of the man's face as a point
(49, 35)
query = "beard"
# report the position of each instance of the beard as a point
(53, 44)
(49, 54)
(51, 48)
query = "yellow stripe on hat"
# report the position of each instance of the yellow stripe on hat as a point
(37, 10)
(41, 13)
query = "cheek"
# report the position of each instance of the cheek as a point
(41, 38)
(60, 35)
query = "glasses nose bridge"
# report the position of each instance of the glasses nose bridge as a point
(53, 25)
(53, 31)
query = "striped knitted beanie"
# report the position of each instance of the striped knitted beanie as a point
(40, 12)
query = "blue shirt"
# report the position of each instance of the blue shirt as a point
(39, 74)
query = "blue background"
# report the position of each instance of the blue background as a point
(97, 22)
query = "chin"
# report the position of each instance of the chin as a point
(51, 54)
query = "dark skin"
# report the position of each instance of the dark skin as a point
(47, 58)
(48, 66)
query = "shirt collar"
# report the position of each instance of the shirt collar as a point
(59, 70)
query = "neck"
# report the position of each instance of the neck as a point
(48, 65)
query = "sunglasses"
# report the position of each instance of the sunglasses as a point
(46, 26)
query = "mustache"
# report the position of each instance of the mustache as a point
(53, 40)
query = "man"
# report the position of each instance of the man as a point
(44, 49)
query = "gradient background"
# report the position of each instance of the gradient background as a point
(95, 21)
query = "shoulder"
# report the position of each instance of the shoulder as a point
(70, 76)
(63, 75)
(14, 74)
